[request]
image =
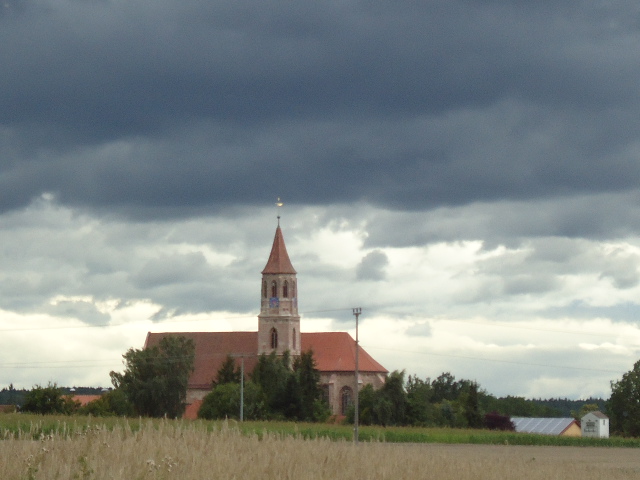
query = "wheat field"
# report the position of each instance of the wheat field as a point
(172, 450)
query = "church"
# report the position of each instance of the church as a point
(279, 330)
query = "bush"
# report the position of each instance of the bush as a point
(113, 403)
(48, 400)
(224, 402)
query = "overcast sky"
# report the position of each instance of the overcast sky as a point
(465, 171)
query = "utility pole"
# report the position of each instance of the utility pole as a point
(241, 355)
(242, 388)
(356, 311)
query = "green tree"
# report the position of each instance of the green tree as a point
(517, 407)
(155, 379)
(366, 406)
(420, 409)
(450, 414)
(11, 396)
(228, 372)
(307, 377)
(445, 387)
(48, 400)
(471, 407)
(392, 405)
(385, 406)
(224, 402)
(586, 408)
(623, 406)
(272, 374)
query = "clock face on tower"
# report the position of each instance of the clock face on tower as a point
(274, 302)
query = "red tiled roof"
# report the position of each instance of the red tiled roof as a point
(84, 399)
(212, 349)
(279, 261)
(336, 352)
(332, 351)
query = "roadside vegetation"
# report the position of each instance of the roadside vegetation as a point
(154, 384)
(38, 427)
(45, 447)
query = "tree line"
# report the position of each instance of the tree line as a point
(154, 384)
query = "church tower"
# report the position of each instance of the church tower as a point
(279, 322)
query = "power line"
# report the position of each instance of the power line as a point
(170, 321)
(491, 323)
(100, 363)
(238, 317)
(523, 327)
(105, 362)
(484, 359)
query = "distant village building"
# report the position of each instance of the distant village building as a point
(279, 331)
(595, 424)
(83, 400)
(567, 427)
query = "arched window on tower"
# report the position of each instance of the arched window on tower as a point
(285, 289)
(274, 338)
(264, 289)
(346, 395)
(274, 289)
(294, 339)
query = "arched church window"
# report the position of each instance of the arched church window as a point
(294, 338)
(274, 289)
(264, 289)
(285, 289)
(346, 395)
(274, 338)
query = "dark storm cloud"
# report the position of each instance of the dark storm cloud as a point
(408, 105)
(510, 223)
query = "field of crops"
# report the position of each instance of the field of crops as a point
(78, 448)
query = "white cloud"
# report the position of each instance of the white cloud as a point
(522, 319)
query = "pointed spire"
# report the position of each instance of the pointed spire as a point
(279, 261)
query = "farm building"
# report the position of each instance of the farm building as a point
(595, 424)
(279, 331)
(83, 400)
(547, 426)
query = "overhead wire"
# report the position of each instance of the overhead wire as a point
(169, 321)
(98, 363)
(484, 359)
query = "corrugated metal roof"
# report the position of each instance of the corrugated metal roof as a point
(545, 426)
